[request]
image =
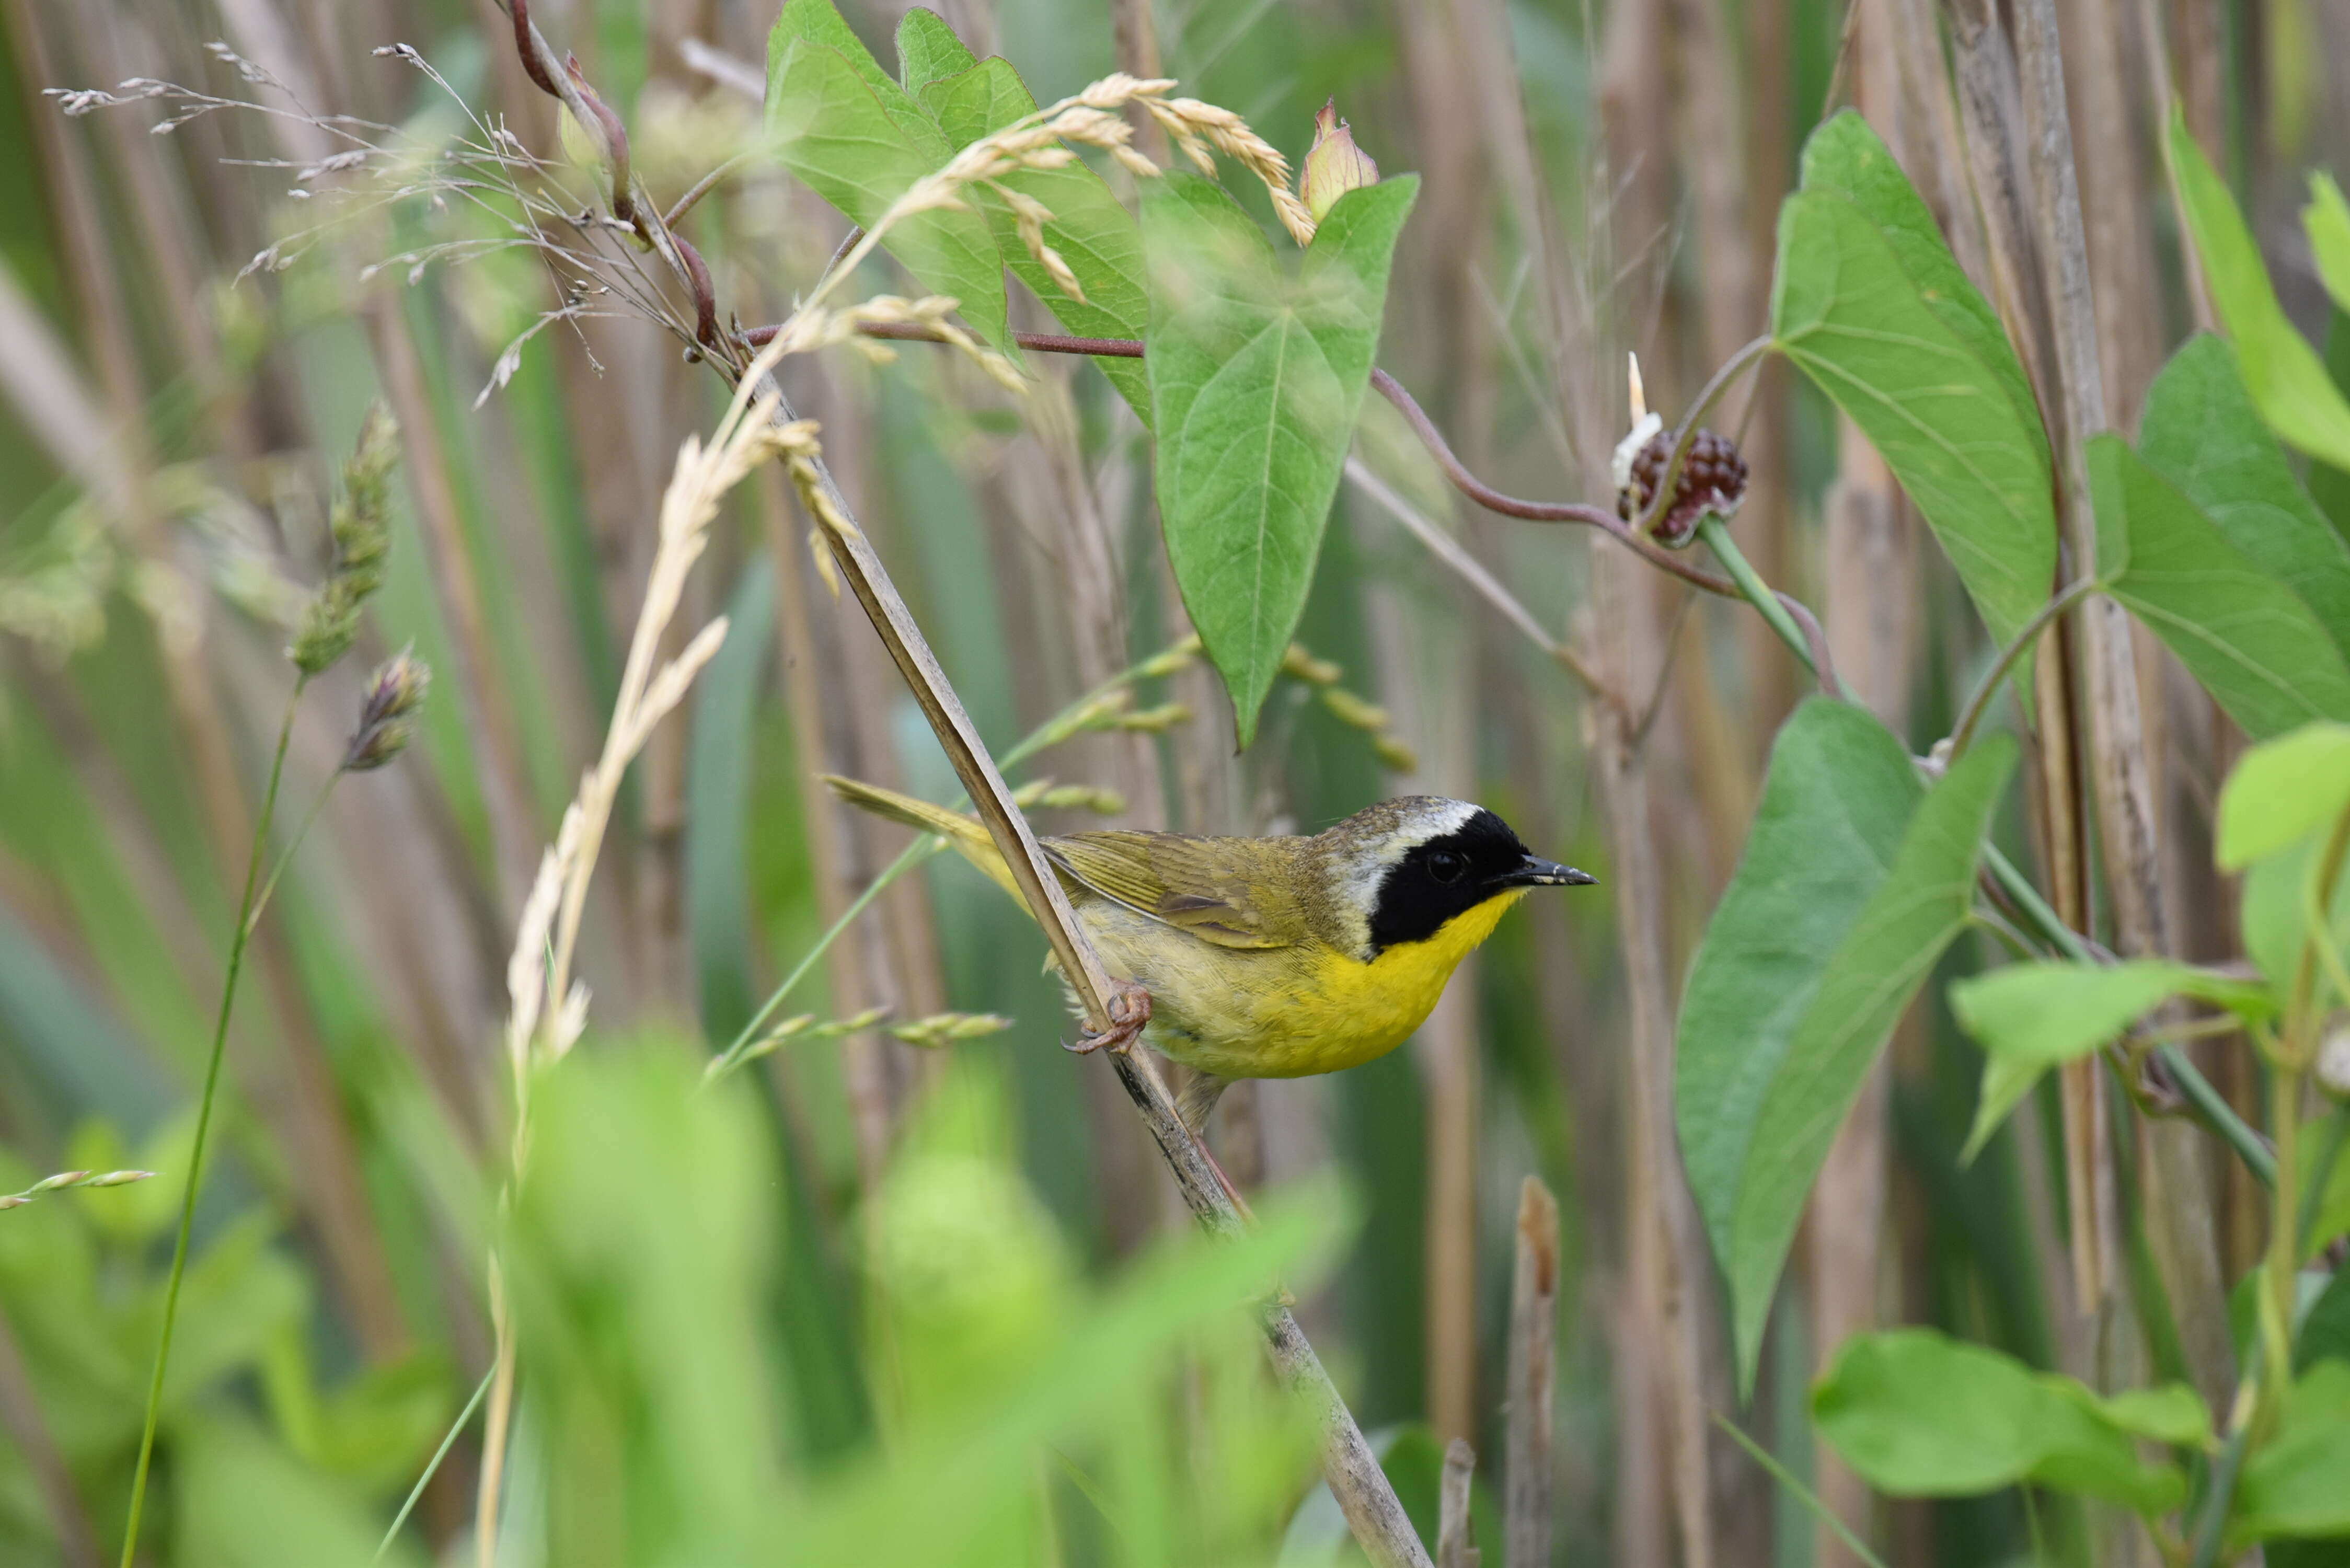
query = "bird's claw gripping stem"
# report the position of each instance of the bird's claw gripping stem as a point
(1129, 1010)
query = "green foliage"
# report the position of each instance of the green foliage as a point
(2201, 432)
(1853, 883)
(929, 51)
(2281, 791)
(841, 125)
(2252, 642)
(1092, 231)
(643, 1240)
(2293, 1486)
(2031, 1017)
(2325, 1333)
(1867, 301)
(1257, 376)
(2276, 802)
(2330, 1218)
(2283, 372)
(2326, 219)
(84, 1280)
(1919, 1414)
(240, 1500)
(644, 1217)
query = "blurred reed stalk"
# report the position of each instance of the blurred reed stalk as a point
(1529, 1507)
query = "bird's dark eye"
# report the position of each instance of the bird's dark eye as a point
(1444, 865)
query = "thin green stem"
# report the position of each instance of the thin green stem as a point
(2220, 1116)
(2217, 1496)
(1715, 534)
(738, 1050)
(1803, 1494)
(2284, 1261)
(204, 1120)
(2207, 1102)
(286, 856)
(2036, 908)
(1963, 732)
(432, 1464)
(2017, 944)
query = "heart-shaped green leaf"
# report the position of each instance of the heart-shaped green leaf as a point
(2031, 1017)
(1870, 303)
(2246, 635)
(1089, 227)
(1853, 882)
(2201, 432)
(1919, 1414)
(838, 122)
(1257, 376)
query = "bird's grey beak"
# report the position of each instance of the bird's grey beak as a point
(1539, 873)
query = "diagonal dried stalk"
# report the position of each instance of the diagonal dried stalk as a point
(1353, 1472)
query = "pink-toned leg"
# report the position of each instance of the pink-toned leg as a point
(1129, 1010)
(1231, 1190)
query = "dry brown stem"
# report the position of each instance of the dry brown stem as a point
(1528, 1510)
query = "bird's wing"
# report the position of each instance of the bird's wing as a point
(1197, 885)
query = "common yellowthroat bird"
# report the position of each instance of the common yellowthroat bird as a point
(1273, 958)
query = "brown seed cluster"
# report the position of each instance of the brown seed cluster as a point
(1712, 478)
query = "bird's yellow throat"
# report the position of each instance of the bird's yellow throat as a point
(1335, 1011)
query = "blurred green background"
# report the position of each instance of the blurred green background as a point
(874, 1303)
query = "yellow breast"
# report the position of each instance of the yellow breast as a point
(1285, 1012)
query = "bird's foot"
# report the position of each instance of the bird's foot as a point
(1129, 1010)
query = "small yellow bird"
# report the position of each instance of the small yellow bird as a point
(1275, 957)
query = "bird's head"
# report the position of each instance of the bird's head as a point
(1402, 870)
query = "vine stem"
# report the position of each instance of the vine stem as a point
(1773, 607)
(1456, 473)
(2207, 1101)
(236, 946)
(1963, 732)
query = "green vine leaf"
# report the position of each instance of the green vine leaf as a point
(2283, 373)
(929, 50)
(1256, 377)
(2201, 432)
(2326, 219)
(2252, 642)
(1870, 304)
(2281, 791)
(2030, 1017)
(2277, 800)
(838, 122)
(1919, 1414)
(1853, 882)
(2293, 1484)
(1090, 228)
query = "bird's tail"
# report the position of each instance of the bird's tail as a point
(964, 833)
